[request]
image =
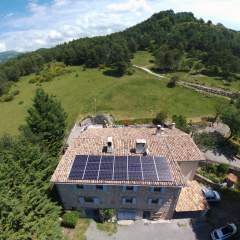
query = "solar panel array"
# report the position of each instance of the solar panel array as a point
(132, 168)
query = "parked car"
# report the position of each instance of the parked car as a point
(225, 232)
(211, 195)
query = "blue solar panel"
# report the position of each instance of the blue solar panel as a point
(106, 166)
(94, 159)
(105, 175)
(134, 160)
(78, 167)
(148, 167)
(92, 166)
(150, 176)
(75, 175)
(147, 160)
(107, 159)
(134, 168)
(125, 168)
(120, 175)
(88, 175)
(135, 175)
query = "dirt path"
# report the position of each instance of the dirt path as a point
(150, 72)
(193, 86)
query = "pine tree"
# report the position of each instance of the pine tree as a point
(46, 122)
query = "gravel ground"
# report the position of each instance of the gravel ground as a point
(168, 230)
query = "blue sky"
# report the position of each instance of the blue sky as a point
(26, 25)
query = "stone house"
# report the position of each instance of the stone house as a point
(140, 172)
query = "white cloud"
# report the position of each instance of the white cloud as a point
(2, 47)
(63, 20)
(130, 5)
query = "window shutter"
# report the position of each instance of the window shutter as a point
(159, 201)
(96, 200)
(81, 200)
(135, 188)
(134, 200)
(104, 188)
(149, 201)
(123, 200)
(151, 189)
(124, 188)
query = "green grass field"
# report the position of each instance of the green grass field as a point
(144, 58)
(137, 96)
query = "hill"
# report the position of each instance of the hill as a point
(5, 56)
(178, 41)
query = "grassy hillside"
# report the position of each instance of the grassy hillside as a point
(137, 96)
(145, 59)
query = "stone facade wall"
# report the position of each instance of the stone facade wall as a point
(112, 198)
(188, 169)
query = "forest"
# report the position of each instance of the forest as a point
(28, 210)
(178, 41)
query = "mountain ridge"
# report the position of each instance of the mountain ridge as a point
(178, 41)
(6, 55)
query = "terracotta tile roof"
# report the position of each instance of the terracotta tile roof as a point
(191, 198)
(174, 145)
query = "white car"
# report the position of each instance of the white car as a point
(211, 195)
(225, 232)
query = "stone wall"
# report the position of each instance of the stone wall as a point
(209, 90)
(112, 198)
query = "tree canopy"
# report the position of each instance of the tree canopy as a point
(26, 164)
(46, 122)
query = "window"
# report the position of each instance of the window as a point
(80, 186)
(154, 201)
(88, 199)
(130, 188)
(157, 189)
(93, 200)
(99, 187)
(129, 200)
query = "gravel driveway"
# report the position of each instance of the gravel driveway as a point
(174, 229)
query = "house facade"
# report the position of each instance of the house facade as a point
(139, 172)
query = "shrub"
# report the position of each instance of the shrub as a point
(15, 92)
(181, 123)
(70, 219)
(160, 118)
(222, 169)
(130, 71)
(6, 98)
(33, 80)
(172, 82)
(20, 102)
(205, 140)
(106, 214)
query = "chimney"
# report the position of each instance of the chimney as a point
(162, 130)
(141, 146)
(109, 145)
(172, 125)
(158, 130)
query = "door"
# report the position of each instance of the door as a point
(146, 214)
(126, 215)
